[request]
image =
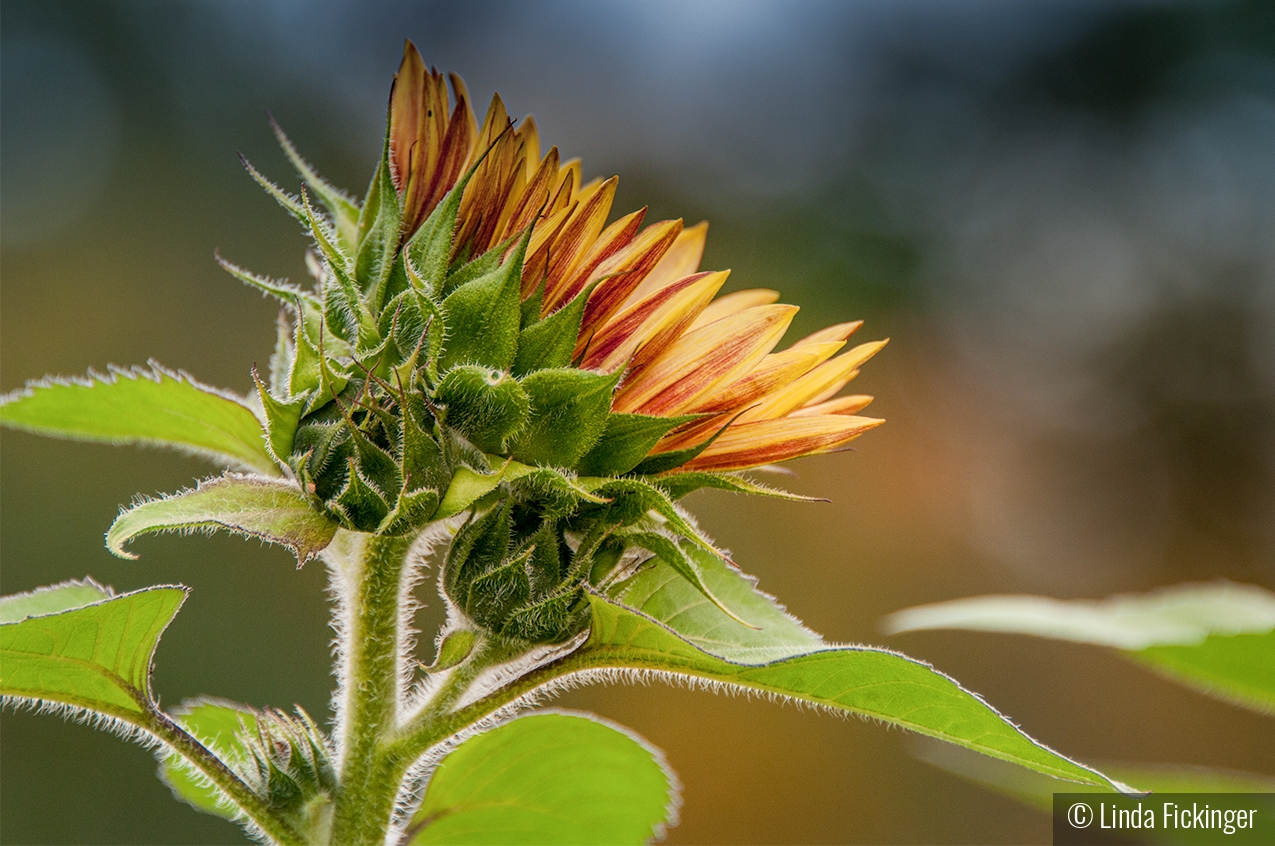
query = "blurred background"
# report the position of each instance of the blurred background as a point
(1062, 214)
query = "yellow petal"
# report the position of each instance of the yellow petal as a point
(769, 441)
(701, 360)
(406, 99)
(820, 383)
(772, 374)
(836, 332)
(613, 239)
(738, 301)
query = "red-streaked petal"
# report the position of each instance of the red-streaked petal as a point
(733, 302)
(627, 268)
(701, 360)
(649, 321)
(681, 260)
(761, 442)
(819, 384)
(577, 236)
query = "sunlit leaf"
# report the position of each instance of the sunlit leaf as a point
(262, 508)
(659, 622)
(219, 726)
(547, 778)
(1218, 638)
(149, 406)
(51, 599)
(95, 656)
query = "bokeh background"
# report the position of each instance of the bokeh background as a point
(1062, 214)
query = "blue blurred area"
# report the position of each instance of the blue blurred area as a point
(1063, 214)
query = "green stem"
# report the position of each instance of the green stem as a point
(200, 757)
(365, 800)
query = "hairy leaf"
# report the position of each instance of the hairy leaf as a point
(219, 726)
(548, 778)
(1218, 638)
(96, 656)
(52, 599)
(262, 508)
(659, 622)
(154, 406)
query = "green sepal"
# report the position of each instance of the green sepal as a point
(486, 406)
(494, 595)
(484, 314)
(359, 503)
(650, 498)
(456, 647)
(423, 462)
(376, 465)
(465, 270)
(667, 461)
(531, 308)
(411, 511)
(551, 342)
(290, 203)
(678, 485)
(282, 290)
(429, 251)
(550, 620)
(545, 567)
(346, 313)
(625, 441)
(380, 225)
(282, 419)
(344, 211)
(479, 544)
(569, 410)
(552, 492)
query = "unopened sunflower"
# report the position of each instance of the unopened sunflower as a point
(480, 339)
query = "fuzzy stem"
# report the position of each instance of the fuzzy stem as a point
(365, 800)
(200, 757)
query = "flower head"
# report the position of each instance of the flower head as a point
(480, 337)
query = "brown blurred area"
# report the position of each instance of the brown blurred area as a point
(1062, 214)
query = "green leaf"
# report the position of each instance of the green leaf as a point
(273, 511)
(52, 599)
(1218, 638)
(1038, 791)
(282, 419)
(220, 726)
(678, 485)
(1237, 668)
(96, 656)
(626, 441)
(659, 622)
(154, 406)
(569, 410)
(553, 778)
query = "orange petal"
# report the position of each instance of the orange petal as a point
(406, 99)
(819, 384)
(737, 301)
(681, 260)
(769, 441)
(699, 361)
